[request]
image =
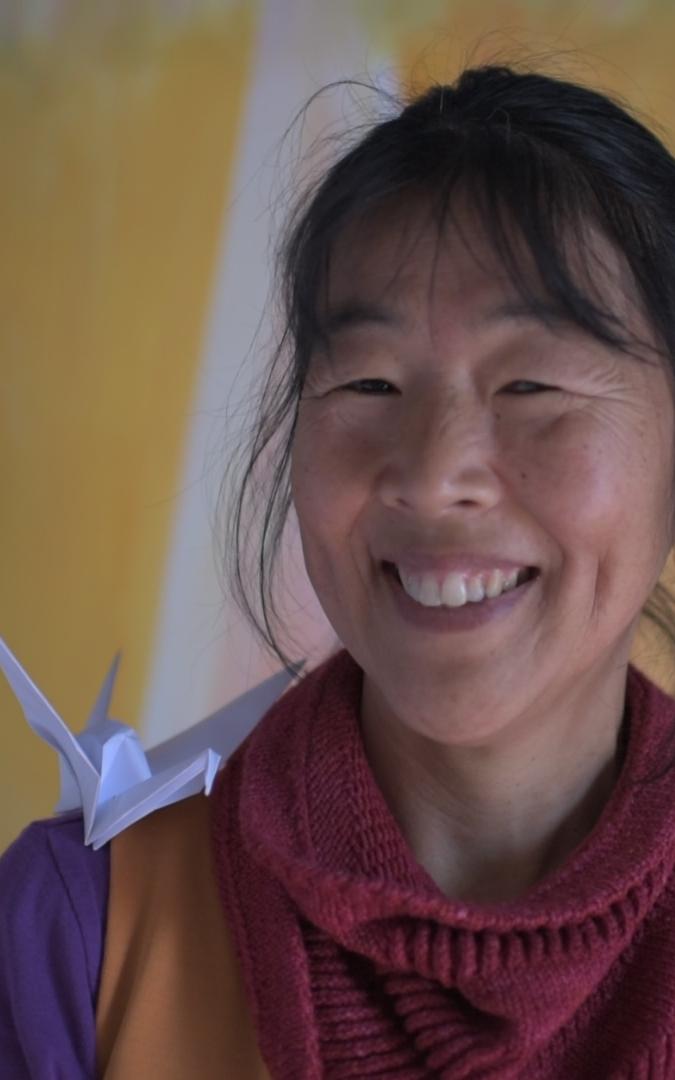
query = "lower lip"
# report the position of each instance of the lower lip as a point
(441, 619)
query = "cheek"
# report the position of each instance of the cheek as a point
(331, 464)
(329, 484)
(604, 496)
(583, 471)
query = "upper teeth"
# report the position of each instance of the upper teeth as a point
(455, 590)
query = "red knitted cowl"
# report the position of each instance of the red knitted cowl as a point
(357, 966)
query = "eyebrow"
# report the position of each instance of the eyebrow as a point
(356, 314)
(546, 312)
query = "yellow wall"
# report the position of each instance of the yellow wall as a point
(621, 46)
(117, 148)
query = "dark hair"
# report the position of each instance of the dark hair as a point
(533, 151)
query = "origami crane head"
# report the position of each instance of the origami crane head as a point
(113, 751)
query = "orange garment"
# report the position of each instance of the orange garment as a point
(171, 1002)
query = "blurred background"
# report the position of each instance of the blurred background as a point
(143, 174)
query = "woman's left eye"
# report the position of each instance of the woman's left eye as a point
(368, 386)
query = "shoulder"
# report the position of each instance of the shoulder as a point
(158, 854)
(53, 903)
(47, 874)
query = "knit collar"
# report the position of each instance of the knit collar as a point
(300, 820)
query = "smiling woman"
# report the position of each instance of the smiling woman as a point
(448, 851)
(526, 530)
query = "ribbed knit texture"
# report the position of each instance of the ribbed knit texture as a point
(357, 966)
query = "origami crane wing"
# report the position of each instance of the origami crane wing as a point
(105, 770)
(224, 729)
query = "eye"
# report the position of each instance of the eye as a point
(530, 387)
(368, 386)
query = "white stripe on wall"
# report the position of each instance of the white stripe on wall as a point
(204, 653)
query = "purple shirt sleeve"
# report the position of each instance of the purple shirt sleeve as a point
(53, 901)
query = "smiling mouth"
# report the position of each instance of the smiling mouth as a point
(455, 600)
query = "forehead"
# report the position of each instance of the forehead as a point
(400, 261)
(399, 248)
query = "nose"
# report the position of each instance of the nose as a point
(443, 461)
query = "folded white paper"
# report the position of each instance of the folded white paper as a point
(105, 771)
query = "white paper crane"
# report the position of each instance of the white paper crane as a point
(105, 771)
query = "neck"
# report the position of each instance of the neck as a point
(489, 822)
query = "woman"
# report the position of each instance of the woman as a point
(448, 851)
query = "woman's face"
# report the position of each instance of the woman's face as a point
(446, 430)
